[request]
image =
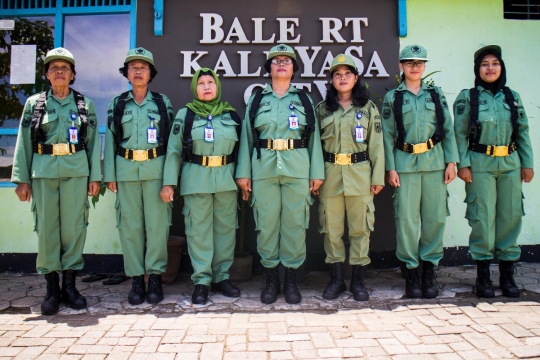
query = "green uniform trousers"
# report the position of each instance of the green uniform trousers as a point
(60, 208)
(142, 216)
(494, 210)
(211, 222)
(281, 211)
(420, 203)
(360, 218)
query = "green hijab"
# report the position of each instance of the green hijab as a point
(213, 107)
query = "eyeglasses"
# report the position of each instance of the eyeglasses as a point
(138, 69)
(413, 64)
(63, 69)
(284, 61)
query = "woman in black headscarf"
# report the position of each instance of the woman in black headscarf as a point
(492, 135)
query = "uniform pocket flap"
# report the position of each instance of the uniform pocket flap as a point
(326, 121)
(48, 118)
(126, 118)
(185, 210)
(230, 122)
(371, 207)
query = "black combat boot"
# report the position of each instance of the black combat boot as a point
(506, 279)
(271, 290)
(336, 285)
(70, 294)
(413, 289)
(137, 295)
(50, 303)
(226, 288)
(429, 287)
(291, 292)
(200, 294)
(484, 286)
(155, 291)
(358, 287)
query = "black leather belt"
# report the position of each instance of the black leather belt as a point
(346, 159)
(57, 149)
(416, 148)
(211, 161)
(493, 150)
(140, 155)
(282, 144)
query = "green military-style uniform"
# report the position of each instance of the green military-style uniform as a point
(210, 195)
(494, 198)
(59, 183)
(281, 197)
(141, 215)
(347, 187)
(421, 200)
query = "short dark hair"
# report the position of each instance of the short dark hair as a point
(269, 62)
(153, 72)
(360, 94)
(47, 65)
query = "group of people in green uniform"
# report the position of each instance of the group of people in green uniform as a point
(283, 152)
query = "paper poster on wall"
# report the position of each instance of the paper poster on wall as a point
(23, 64)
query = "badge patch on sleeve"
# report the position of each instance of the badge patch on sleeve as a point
(521, 113)
(176, 129)
(92, 122)
(460, 109)
(378, 127)
(386, 114)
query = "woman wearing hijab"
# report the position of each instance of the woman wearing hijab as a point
(352, 140)
(492, 134)
(421, 154)
(281, 152)
(201, 151)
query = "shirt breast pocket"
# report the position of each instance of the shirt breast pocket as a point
(327, 128)
(49, 125)
(229, 129)
(302, 117)
(197, 131)
(263, 117)
(408, 114)
(127, 126)
(484, 113)
(431, 114)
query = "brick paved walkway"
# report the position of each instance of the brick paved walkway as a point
(455, 326)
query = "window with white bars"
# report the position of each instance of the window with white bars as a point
(522, 9)
(48, 4)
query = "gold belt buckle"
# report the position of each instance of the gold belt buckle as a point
(420, 148)
(500, 151)
(342, 159)
(214, 161)
(60, 149)
(140, 155)
(280, 144)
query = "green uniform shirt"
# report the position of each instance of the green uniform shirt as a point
(272, 122)
(420, 124)
(135, 123)
(55, 124)
(494, 116)
(197, 179)
(337, 136)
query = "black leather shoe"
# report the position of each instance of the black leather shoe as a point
(200, 294)
(336, 285)
(70, 294)
(429, 287)
(413, 289)
(271, 290)
(226, 288)
(358, 287)
(51, 302)
(290, 290)
(155, 291)
(137, 295)
(506, 279)
(484, 286)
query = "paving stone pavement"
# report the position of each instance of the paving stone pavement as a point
(457, 325)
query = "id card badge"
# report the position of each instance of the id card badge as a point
(151, 133)
(293, 119)
(358, 134)
(73, 133)
(209, 130)
(358, 129)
